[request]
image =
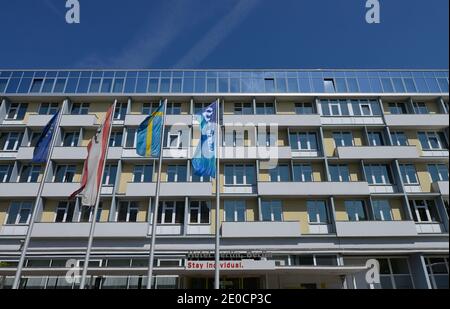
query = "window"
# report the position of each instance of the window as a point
(397, 108)
(80, 109)
(339, 173)
(281, 173)
(174, 140)
(269, 84)
(171, 213)
(5, 172)
(87, 212)
(199, 212)
(121, 111)
(304, 141)
(37, 85)
(329, 85)
(272, 211)
(19, 213)
(243, 109)
(317, 211)
(420, 108)
(30, 173)
(236, 138)
(71, 139)
(304, 109)
(365, 109)
(378, 174)
(438, 270)
(395, 273)
(432, 140)
(143, 174)
(110, 174)
(64, 212)
(64, 173)
(424, 211)
(267, 139)
(16, 111)
(236, 175)
(149, 108)
(48, 108)
(128, 212)
(438, 172)
(343, 139)
(116, 139)
(131, 138)
(10, 141)
(355, 210)
(196, 178)
(335, 108)
(382, 210)
(303, 173)
(235, 211)
(375, 139)
(409, 174)
(200, 107)
(176, 173)
(399, 139)
(173, 108)
(265, 109)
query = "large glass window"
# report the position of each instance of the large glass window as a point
(115, 139)
(424, 211)
(16, 111)
(281, 173)
(399, 139)
(176, 173)
(339, 173)
(303, 173)
(376, 139)
(438, 269)
(171, 212)
(121, 111)
(438, 172)
(71, 139)
(80, 109)
(432, 140)
(382, 210)
(420, 108)
(304, 109)
(235, 211)
(30, 173)
(65, 173)
(304, 141)
(199, 212)
(243, 109)
(378, 174)
(355, 210)
(395, 273)
(173, 108)
(64, 212)
(110, 174)
(239, 174)
(272, 211)
(343, 139)
(5, 172)
(10, 141)
(143, 174)
(131, 138)
(128, 212)
(397, 108)
(19, 213)
(317, 211)
(48, 108)
(265, 109)
(409, 174)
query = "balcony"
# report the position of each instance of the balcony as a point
(19, 190)
(378, 153)
(256, 153)
(76, 121)
(59, 190)
(81, 230)
(175, 189)
(239, 189)
(376, 229)
(13, 230)
(436, 121)
(260, 229)
(38, 121)
(351, 120)
(382, 189)
(429, 228)
(441, 187)
(313, 188)
(25, 153)
(70, 153)
(166, 229)
(443, 153)
(280, 120)
(199, 229)
(8, 154)
(136, 120)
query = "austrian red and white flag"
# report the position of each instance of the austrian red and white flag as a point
(92, 171)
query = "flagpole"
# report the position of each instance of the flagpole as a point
(156, 205)
(217, 253)
(97, 203)
(38, 199)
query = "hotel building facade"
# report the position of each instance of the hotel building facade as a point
(357, 170)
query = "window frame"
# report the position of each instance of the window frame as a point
(66, 207)
(19, 110)
(21, 205)
(236, 207)
(199, 207)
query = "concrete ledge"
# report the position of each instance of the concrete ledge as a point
(260, 229)
(376, 228)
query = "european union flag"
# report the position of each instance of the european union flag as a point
(204, 161)
(149, 134)
(42, 148)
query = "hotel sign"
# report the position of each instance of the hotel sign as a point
(231, 265)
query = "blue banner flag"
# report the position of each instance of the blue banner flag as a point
(204, 161)
(41, 151)
(149, 134)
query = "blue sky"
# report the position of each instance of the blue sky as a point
(224, 34)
